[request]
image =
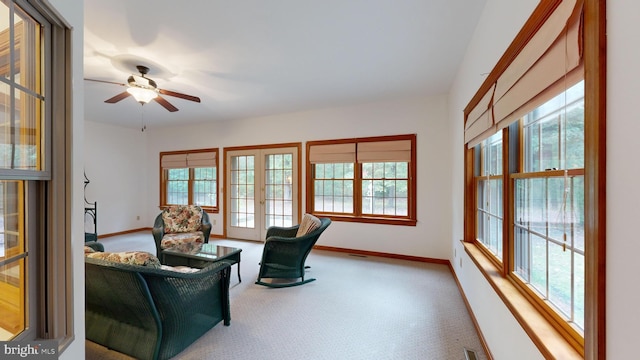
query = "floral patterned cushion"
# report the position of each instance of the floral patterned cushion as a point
(171, 240)
(182, 218)
(141, 258)
(182, 269)
(88, 250)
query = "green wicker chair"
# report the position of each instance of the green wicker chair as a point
(150, 313)
(182, 228)
(96, 246)
(284, 254)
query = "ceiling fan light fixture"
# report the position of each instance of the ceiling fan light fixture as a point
(142, 95)
(144, 90)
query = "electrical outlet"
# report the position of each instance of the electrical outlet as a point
(138, 217)
(214, 221)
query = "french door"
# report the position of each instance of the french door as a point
(262, 190)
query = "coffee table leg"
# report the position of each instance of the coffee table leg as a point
(239, 280)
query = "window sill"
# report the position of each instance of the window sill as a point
(369, 220)
(542, 333)
(208, 209)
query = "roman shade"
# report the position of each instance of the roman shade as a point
(396, 149)
(480, 119)
(549, 63)
(188, 160)
(332, 153)
(201, 159)
(173, 161)
(381, 151)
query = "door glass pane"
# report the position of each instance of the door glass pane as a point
(242, 191)
(278, 192)
(13, 253)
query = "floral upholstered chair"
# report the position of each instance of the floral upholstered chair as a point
(180, 224)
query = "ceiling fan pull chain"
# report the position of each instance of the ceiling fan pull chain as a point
(143, 126)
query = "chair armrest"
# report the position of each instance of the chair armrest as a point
(282, 232)
(182, 297)
(158, 232)
(284, 239)
(205, 227)
(95, 245)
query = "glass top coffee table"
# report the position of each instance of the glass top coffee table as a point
(199, 255)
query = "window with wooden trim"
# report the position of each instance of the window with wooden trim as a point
(189, 178)
(35, 203)
(489, 180)
(552, 235)
(363, 179)
(548, 200)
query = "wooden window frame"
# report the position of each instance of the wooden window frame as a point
(50, 187)
(543, 330)
(163, 179)
(479, 161)
(357, 216)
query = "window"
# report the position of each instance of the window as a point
(552, 179)
(333, 188)
(363, 180)
(14, 257)
(549, 205)
(35, 278)
(489, 190)
(190, 178)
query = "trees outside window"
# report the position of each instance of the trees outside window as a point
(364, 179)
(549, 210)
(190, 178)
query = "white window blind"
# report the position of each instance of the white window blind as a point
(188, 160)
(549, 63)
(174, 161)
(381, 151)
(332, 153)
(201, 159)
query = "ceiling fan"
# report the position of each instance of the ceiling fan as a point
(144, 90)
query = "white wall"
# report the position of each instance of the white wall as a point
(623, 192)
(116, 166)
(505, 338)
(73, 12)
(500, 22)
(504, 335)
(424, 116)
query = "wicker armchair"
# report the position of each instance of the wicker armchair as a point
(151, 313)
(178, 224)
(284, 254)
(94, 245)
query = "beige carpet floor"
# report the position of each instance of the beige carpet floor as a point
(358, 308)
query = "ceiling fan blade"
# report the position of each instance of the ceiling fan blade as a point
(106, 82)
(115, 99)
(179, 95)
(160, 100)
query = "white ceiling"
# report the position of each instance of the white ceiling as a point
(247, 58)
